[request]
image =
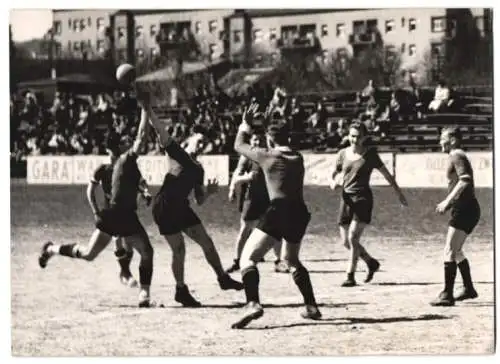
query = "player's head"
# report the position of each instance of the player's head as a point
(196, 143)
(277, 134)
(451, 138)
(256, 139)
(357, 133)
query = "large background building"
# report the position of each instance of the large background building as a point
(414, 33)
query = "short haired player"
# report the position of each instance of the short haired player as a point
(174, 216)
(465, 214)
(253, 203)
(120, 219)
(102, 176)
(286, 218)
(354, 167)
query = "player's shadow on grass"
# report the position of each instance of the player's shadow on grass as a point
(330, 305)
(320, 260)
(356, 320)
(404, 283)
(326, 271)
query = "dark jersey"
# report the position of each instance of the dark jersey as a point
(178, 185)
(102, 175)
(459, 167)
(357, 173)
(283, 170)
(256, 189)
(125, 181)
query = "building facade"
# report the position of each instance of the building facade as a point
(133, 35)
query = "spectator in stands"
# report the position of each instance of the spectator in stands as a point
(441, 97)
(368, 92)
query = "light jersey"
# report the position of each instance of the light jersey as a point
(283, 170)
(125, 181)
(103, 175)
(357, 172)
(459, 167)
(184, 175)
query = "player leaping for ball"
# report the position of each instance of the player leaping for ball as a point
(253, 203)
(102, 176)
(286, 218)
(354, 167)
(465, 214)
(174, 216)
(120, 219)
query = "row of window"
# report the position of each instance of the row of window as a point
(79, 25)
(140, 53)
(83, 45)
(153, 29)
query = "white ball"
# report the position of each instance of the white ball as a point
(125, 73)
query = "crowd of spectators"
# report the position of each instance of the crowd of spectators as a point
(79, 124)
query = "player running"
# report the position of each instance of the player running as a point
(465, 214)
(102, 176)
(174, 216)
(120, 219)
(253, 202)
(286, 218)
(354, 166)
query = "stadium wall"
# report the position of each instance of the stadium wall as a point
(420, 170)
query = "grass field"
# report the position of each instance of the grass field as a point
(75, 308)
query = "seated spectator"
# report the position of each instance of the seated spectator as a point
(441, 98)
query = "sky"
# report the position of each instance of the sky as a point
(28, 23)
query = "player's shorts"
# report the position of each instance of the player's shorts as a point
(465, 216)
(252, 210)
(357, 206)
(285, 219)
(119, 222)
(173, 218)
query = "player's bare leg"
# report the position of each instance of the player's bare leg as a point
(143, 246)
(454, 242)
(256, 247)
(124, 254)
(243, 234)
(178, 247)
(302, 279)
(372, 264)
(280, 265)
(97, 243)
(200, 236)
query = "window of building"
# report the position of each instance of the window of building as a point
(89, 22)
(437, 49)
(100, 25)
(197, 27)
(138, 31)
(70, 24)
(412, 24)
(57, 27)
(139, 53)
(237, 36)
(212, 49)
(438, 24)
(389, 25)
(100, 46)
(257, 35)
(153, 30)
(121, 32)
(479, 20)
(403, 22)
(76, 25)
(324, 30)
(58, 49)
(340, 30)
(273, 34)
(76, 46)
(82, 25)
(325, 55)
(403, 48)
(412, 50)
(342, 53)
(212, 26)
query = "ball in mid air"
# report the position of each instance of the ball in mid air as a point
(125, 74)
